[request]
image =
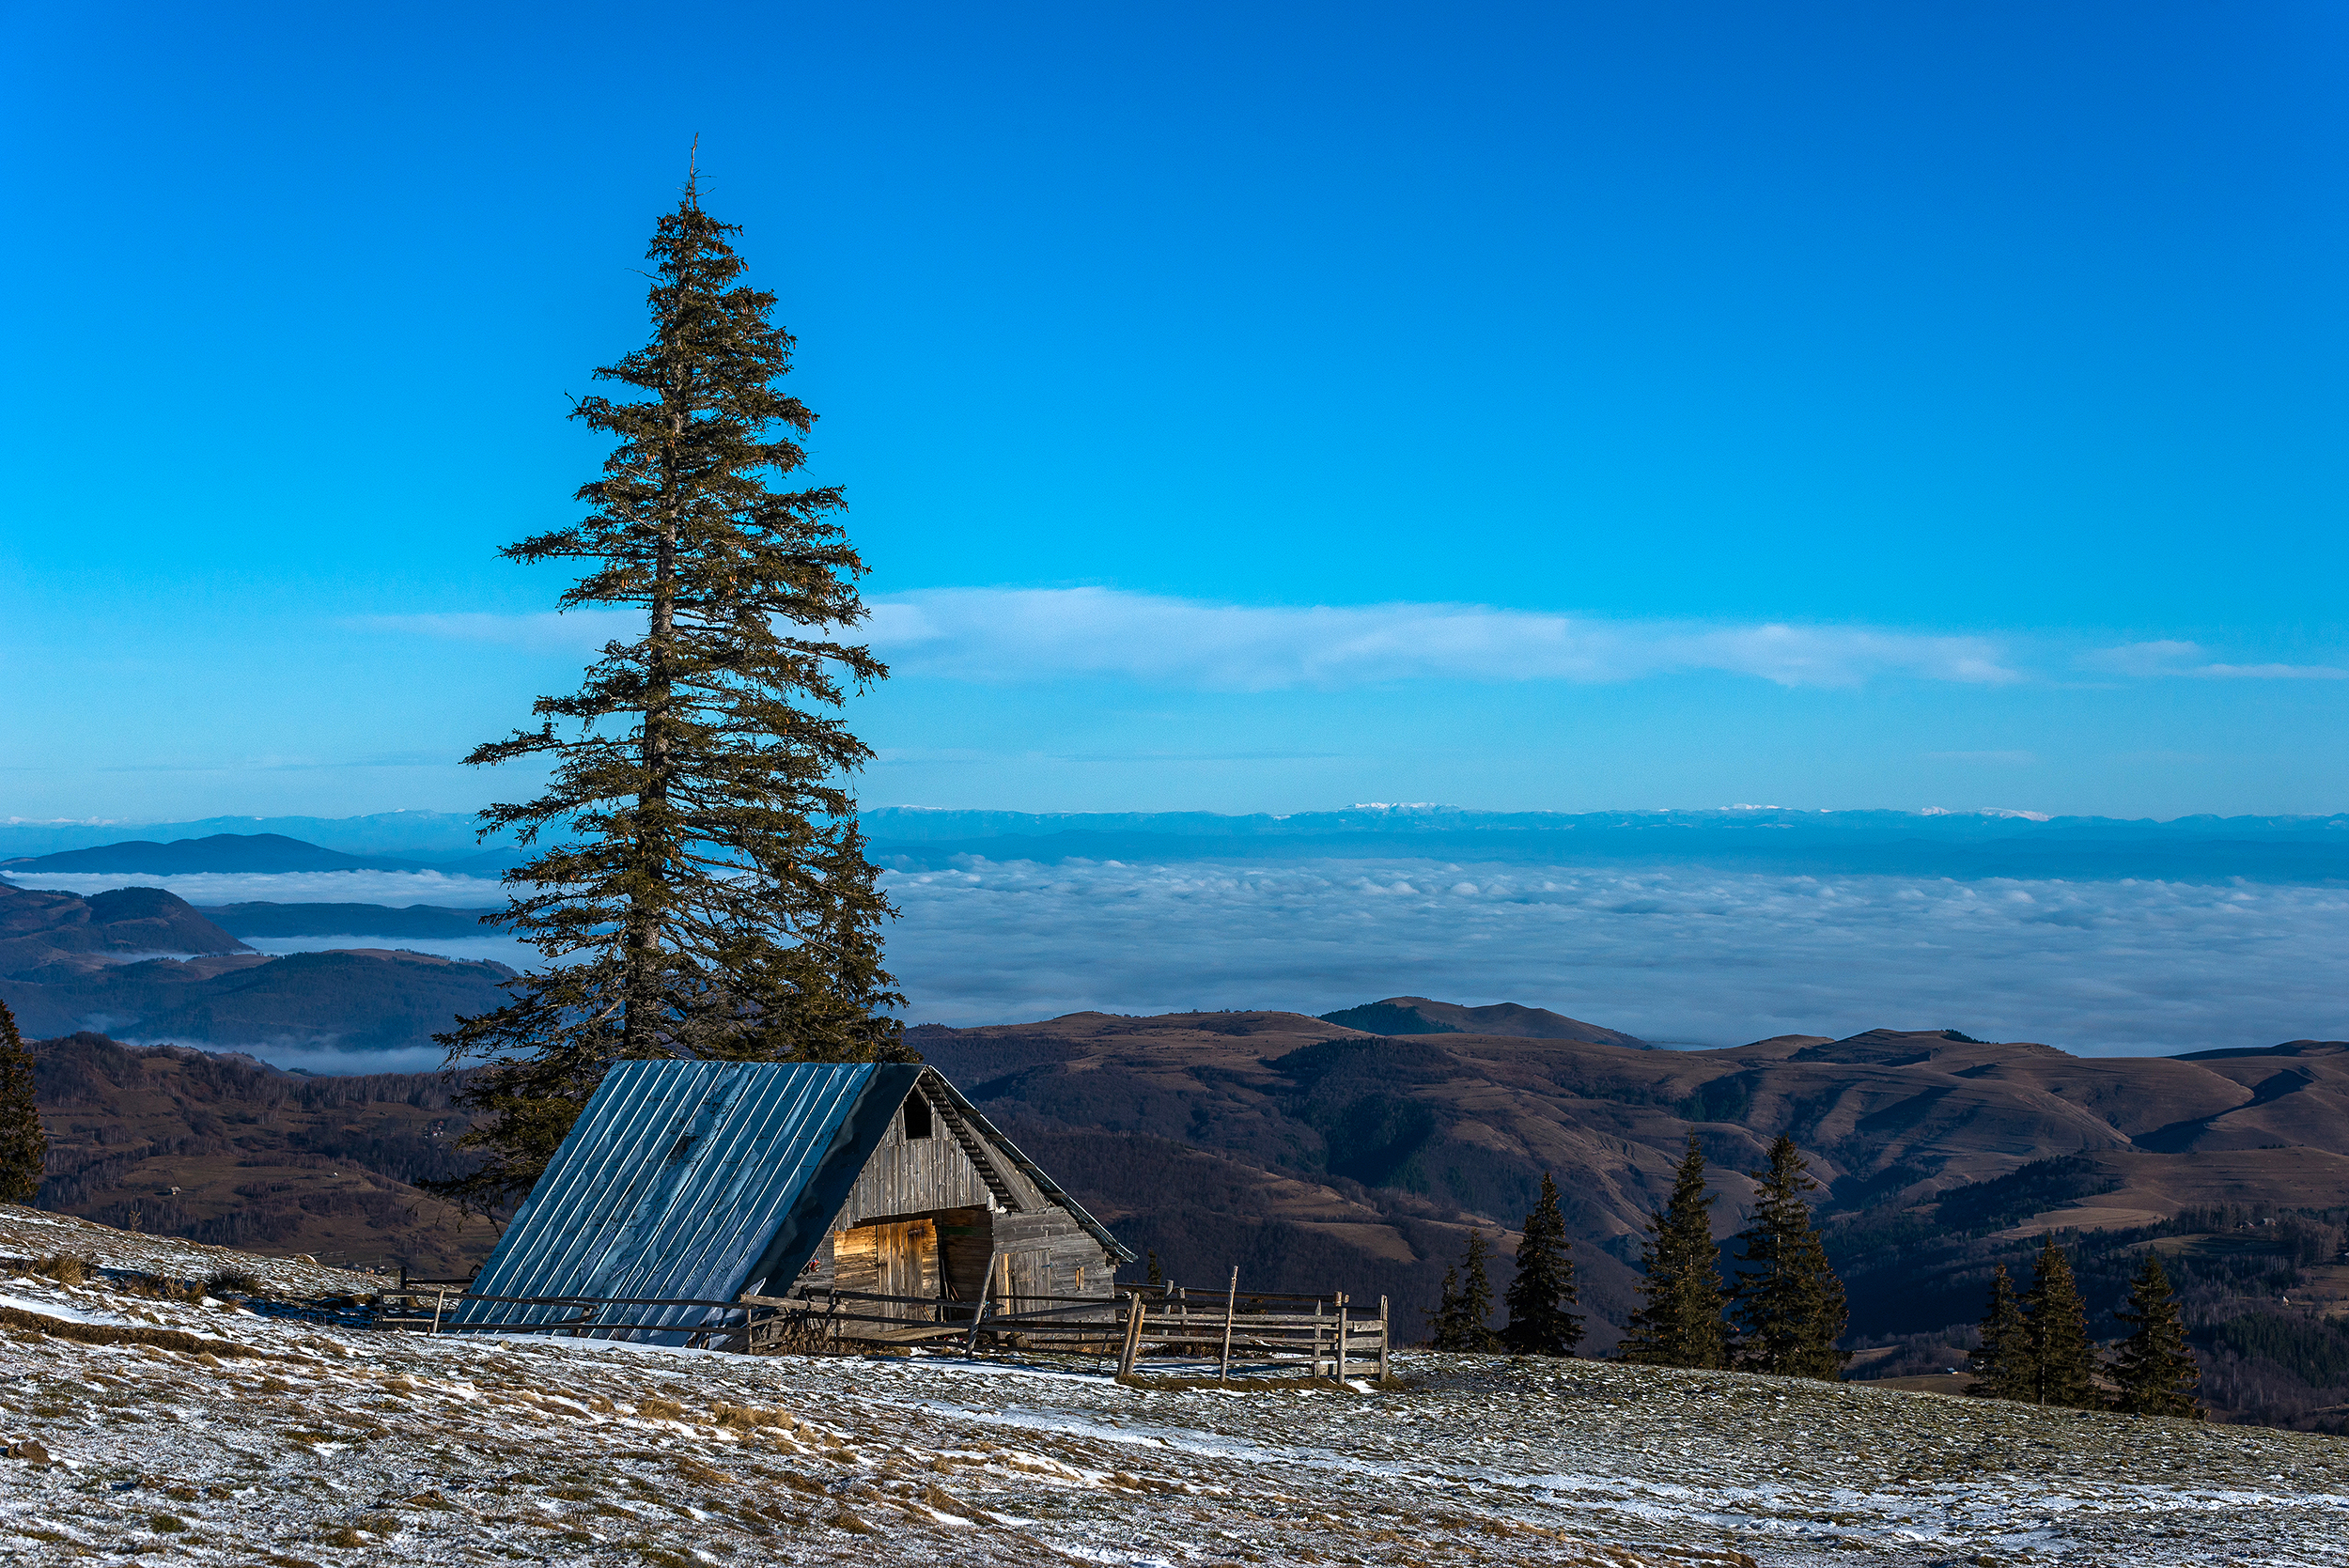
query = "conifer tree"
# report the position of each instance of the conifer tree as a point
(1789, 1305)
(1539, 1323)
(1461, 1322)
(23, 1142)
(2063, 1363)
(1443, 1326)
(2155, 1369)
(1679, 1323)
(698, 884)
(2003, 1367)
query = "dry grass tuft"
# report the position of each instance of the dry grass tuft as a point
(65, 1268)
(701, 1474)
(748, 1417)
(103, 1333)
(661, 1410)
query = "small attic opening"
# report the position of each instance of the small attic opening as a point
(919, 1121)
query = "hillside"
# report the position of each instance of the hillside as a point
(1508, 1019)
(224, 1149)
(68, 963)
(141, 1424)
(43, 930)
(1308, 1154)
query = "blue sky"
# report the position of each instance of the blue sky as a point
(1562, 405)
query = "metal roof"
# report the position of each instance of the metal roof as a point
(692, 1180)
(702, 1180)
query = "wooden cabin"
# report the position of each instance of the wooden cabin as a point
(710, 1181)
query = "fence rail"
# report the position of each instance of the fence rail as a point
(1136, 1324)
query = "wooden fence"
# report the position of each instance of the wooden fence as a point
(1322, 1335)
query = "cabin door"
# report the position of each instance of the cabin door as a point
(903, 1262)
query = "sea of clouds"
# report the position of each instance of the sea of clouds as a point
(1682, 956)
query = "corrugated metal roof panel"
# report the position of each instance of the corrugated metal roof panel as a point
(682, 1177)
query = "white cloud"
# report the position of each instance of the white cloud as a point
(2190, 660)
(1013, 636)
(1036, 634)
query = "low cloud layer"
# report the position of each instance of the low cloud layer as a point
(1680, 956)
(397, 888)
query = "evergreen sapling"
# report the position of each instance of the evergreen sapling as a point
(2064, 1362)
(1789, 1304)
(1544, 1289)
(1461, 1321)
(1678, 1323)
(2003, 1366)
(2155, 1372)
(24, 1142)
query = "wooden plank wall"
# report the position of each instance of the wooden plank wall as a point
(1040, 1250)
(920, 1176)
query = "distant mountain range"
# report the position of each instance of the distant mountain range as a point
(69, 963)
(249, 853)
(1965, 844)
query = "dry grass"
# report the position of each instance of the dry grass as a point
(661, 1410)
(748, 1417)
(64, 1268)
(105, 1333)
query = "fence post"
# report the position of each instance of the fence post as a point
(1230, 1300)
(1135, 1313)
(1342, 1344)
(438, 1296)
(1383, 1339)
(978, 1312)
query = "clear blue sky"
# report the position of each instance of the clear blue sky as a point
(1241, 408)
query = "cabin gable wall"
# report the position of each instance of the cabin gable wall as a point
(929, 1189)
(910, 1176)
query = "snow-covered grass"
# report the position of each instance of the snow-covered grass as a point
(333, 1446)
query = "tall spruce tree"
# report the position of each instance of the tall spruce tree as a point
(1544, 1289)
(2004, 1364)
(1462, 1322)
(698, 885)
(1788, 1303)
(2155, 1372)
(23, 1142)
(1679, 1323)
(2064, 1362)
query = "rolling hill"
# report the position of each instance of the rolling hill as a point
(1308, 1153)
(226, 1150)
